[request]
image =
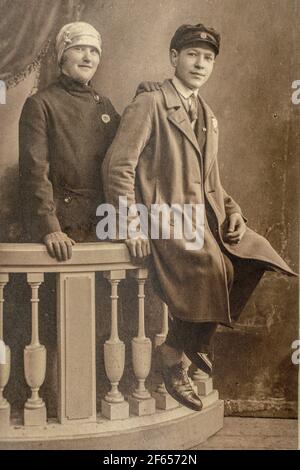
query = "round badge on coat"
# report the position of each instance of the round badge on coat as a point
(105, 118)
(214, 123)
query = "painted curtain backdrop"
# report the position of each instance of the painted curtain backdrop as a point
(27, 29)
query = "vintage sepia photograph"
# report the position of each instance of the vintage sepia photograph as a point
(149, 227)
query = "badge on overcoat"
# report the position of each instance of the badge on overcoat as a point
(105, 118)
(214, 124)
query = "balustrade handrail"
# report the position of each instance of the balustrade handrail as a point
(25, 257)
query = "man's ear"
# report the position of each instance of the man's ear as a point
(174, 57)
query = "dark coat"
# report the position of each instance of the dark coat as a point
(156, 159)
(65, 131)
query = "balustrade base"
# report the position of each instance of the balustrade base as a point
(204, 387)
(180, 428)
(113, 411)
(164, 401)
(5, 416)
(35, 417)
(209, 399)
(142, 407)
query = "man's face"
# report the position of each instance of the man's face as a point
(193, 65)
(80, 63)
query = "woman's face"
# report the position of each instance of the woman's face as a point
(80, 63)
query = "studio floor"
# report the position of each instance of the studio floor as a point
(254, 434)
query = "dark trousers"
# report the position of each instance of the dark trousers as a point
(196, 336)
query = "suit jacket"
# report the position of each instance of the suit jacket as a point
(65, 131)
(156, 159)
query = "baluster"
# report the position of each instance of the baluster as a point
(114, 406)
(203, 382)
(35, 360)
(163, 400)
(204, 387)
(141, 402)
(161, 337)
(4, 361)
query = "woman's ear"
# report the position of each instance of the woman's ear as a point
(174, 57)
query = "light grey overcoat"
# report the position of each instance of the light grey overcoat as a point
(155, 158)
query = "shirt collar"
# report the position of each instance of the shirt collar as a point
(183, 90)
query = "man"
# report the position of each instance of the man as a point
(165, 153)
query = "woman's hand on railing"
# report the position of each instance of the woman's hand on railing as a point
(59, 245)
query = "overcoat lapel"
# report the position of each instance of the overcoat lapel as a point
(211, 147)
(179, 118)
(177, 114)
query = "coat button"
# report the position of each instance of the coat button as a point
(97, 98)
(68, 199)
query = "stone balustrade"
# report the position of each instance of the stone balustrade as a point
(148, 413)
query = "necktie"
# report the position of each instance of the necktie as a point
(193, 111)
